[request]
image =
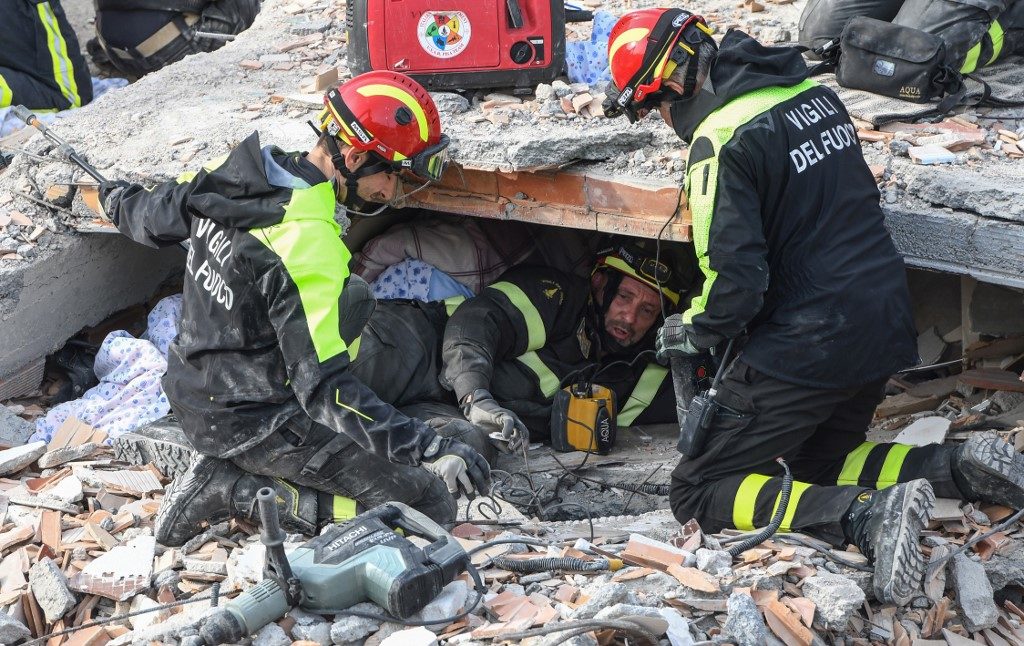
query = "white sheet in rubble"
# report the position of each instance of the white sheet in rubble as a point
(129, 394)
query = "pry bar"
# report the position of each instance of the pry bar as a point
(64, 149)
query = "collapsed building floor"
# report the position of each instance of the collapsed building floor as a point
(76, 536)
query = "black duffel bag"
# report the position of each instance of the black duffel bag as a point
(895, 61)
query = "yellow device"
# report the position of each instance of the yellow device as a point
(583, 419)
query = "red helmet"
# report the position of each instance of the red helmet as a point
(393, 117)
(646, 46)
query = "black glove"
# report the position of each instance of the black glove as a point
(458, 465)
(108, 190)
(481, 409)
(673, 340)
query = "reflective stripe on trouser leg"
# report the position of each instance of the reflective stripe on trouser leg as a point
(746, 513)
(874, 465)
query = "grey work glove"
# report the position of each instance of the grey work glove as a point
(458, 465)
(481, 409)
(109, 192)
(673, 340)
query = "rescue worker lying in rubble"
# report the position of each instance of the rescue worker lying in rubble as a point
(501, 355)
(791, 241)
(259, 372)
(41, 66)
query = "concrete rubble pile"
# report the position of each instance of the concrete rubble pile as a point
(77, 545)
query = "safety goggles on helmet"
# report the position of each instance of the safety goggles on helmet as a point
(676, 37)
(428, 165)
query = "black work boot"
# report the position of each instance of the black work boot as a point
(988, 469)
(886, 527)
(161, 443)
(212, 491)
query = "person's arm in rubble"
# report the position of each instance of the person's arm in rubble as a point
(509, 318)
(155, 217)
(724, 196)
(303, 302)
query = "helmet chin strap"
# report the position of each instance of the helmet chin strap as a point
(352, 200)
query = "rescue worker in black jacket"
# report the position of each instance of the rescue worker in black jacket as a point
(790, 238)
(41, 66)
(259, 372)
(502, 354)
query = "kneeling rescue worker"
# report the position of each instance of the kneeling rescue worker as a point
(258, 374)
(790, 238)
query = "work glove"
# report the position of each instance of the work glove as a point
(109, 192)
(481, 409)
(458, 465)
(673, 340)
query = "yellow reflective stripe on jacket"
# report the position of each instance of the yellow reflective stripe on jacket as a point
(316, 263)
(63, 70)
(547, 380)
(452, 303)
(536, 335)
(892, 466)
(6, 93)
(643, 394)
(853, 466)
(719, 127)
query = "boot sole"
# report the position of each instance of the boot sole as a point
(899, 573)
(1001, 474)
(170, 457)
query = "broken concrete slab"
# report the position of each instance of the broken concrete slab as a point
(603, 596)
(924, 431)
(121, 573)
(355, 629)
(713, 561)
(418, 636)
(744, 622)
(973, 593)
(50, 587)
(61, 456)
(12, 630)
(273, 635)
(17, 458)
(14, 431)
(836, 598)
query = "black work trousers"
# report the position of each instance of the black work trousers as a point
(400, 359)
(821, 435)
(307, 453)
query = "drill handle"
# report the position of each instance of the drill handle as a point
(272, 535)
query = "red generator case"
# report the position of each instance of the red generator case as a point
(465, 44)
